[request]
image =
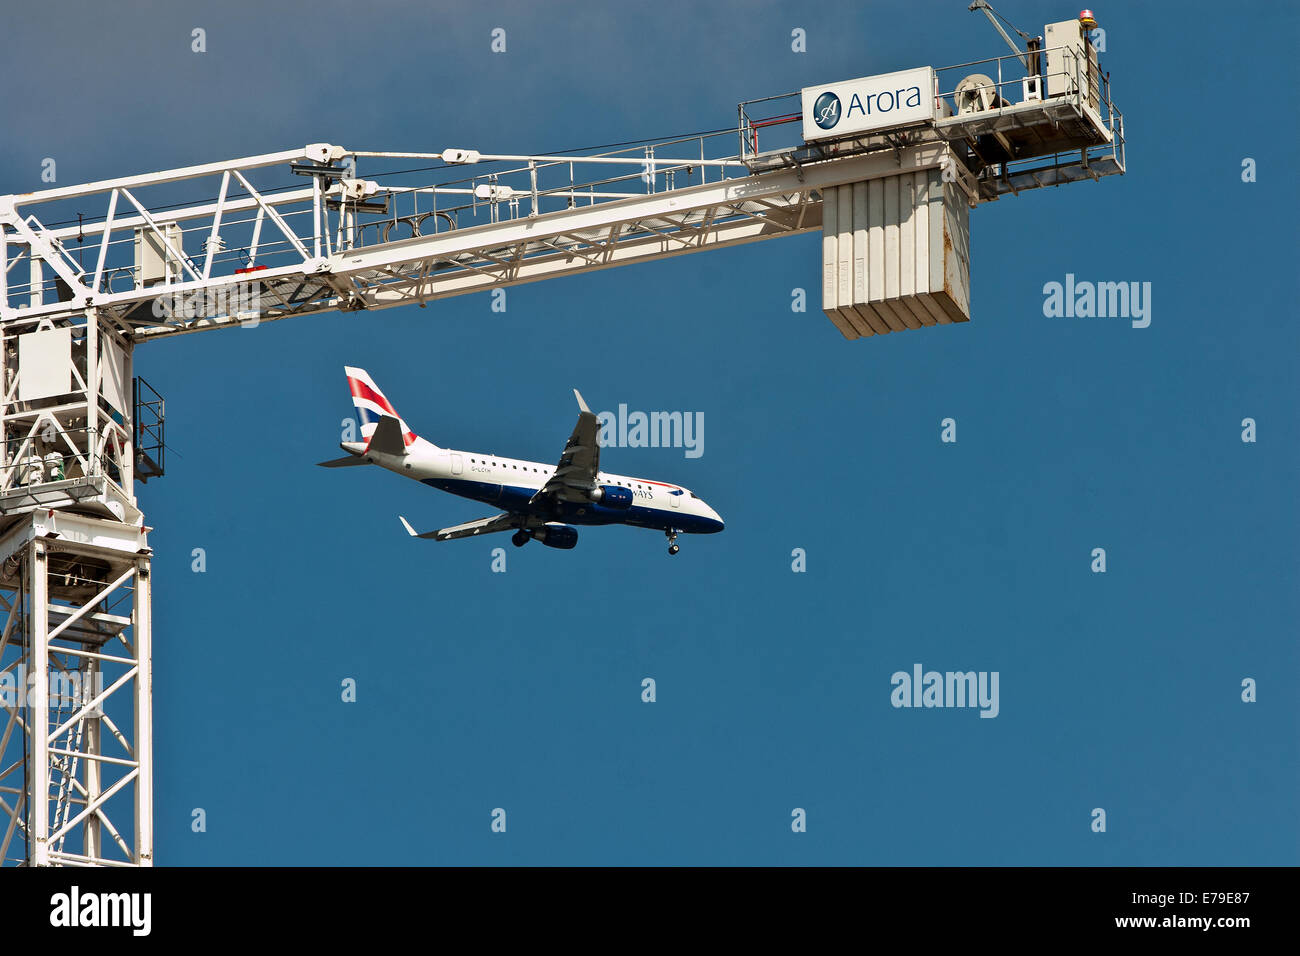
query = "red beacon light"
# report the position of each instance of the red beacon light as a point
(1087, 20)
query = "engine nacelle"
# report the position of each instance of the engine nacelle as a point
(613, 496)
(557, 536)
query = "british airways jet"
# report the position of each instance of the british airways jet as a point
(535, 500)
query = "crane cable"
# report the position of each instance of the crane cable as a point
(983, 5)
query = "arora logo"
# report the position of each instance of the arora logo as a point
(826, 111)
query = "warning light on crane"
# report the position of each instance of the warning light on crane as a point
(1087, 19)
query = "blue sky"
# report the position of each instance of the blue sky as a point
(522, 690)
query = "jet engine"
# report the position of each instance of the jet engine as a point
(613, 496)
(557, 536)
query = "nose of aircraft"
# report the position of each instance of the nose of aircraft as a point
(714, 516)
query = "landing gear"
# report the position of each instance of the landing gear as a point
(520, 538)
(672, 541)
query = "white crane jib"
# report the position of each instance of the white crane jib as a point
(309, 229)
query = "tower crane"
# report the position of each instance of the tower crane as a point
(887, 168)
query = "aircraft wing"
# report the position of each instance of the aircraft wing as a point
(575, 475)
(501, 522)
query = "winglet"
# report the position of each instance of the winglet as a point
(581, 404)
(412, 532)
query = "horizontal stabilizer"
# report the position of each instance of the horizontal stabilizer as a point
(347, 462)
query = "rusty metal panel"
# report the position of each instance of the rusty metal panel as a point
(957, 254)
(949, 252)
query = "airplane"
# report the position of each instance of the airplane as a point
(538, 502)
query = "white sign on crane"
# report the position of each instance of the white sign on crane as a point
(869, 103)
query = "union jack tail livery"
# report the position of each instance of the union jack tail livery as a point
(371, 406)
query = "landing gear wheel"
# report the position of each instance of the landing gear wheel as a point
(520, 538)
(672, 541)
(673, 549)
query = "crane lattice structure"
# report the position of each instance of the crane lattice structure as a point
(89, 272)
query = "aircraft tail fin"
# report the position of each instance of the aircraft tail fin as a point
(372, 406)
